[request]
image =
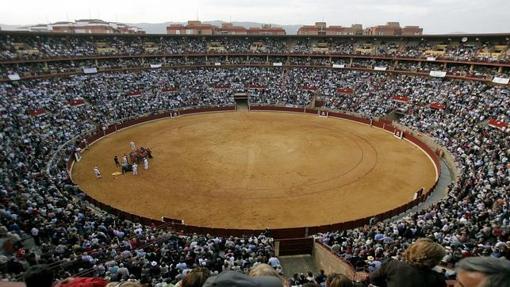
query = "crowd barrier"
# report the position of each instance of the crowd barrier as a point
(279, 233)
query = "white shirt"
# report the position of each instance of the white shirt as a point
(274, 262)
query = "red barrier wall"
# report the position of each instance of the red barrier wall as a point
(281, 233)
(274, 108)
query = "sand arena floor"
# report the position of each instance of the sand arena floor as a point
(257, 170)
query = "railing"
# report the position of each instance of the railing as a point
(297, 232)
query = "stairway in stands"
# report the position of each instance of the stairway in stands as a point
(295, 255)
(292, 264)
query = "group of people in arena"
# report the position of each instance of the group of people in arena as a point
(130, 162)
(44, 221)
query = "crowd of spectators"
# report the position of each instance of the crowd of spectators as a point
(46, 209)
(463, 51)
(37, 118)
(473, 219)
(140, 52)
(59, 68)
(21, 46)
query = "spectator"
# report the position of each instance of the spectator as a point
(321, 278)
(124, 284)
(196, 277)
(274, 262)
(338, 280)
(236, 279)
(39, 276)
(483, 272)
(416, 271)
(263, 270)
(82, 282)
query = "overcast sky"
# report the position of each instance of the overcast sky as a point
(435, 16)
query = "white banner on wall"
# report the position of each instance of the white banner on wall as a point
(155, 66)
(89, 70)
(338, 66)
(431, 59)
(279, 64)
(14, 77)
(438, 74)
(217, 64)
(380, 68)
(499, 80)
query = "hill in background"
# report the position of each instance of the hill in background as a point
(160, 28)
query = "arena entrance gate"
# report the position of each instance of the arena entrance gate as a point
(241, 100)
